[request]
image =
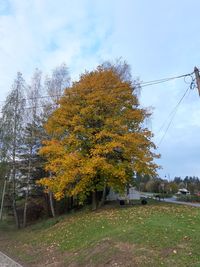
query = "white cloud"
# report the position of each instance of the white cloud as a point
(44, 34)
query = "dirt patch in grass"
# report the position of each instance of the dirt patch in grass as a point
(125, 246)
(32, 256)
(111, 253)
(104, 253)
(53, 258)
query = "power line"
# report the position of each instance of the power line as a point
(141, 84)
(47, 106)
(173, 113)
(38, 97)
(55, 104)
(191, 86)
(164, 79)
(37, 107)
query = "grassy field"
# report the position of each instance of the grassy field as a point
(158, 234)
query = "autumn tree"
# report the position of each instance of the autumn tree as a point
(98, 137)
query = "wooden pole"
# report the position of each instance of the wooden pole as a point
(197, 76)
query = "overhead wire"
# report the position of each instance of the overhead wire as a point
(140, 84)
(163, 80)
(173, 113)
(170, 78)
(192, 85)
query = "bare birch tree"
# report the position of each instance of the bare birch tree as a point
(55, 86)
(31, 143)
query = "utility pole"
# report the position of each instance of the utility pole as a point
(197, 76)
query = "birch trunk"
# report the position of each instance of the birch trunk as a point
(2, 199)
(14, 163)
(27, 189)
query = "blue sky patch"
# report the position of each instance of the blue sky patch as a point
(5, 8)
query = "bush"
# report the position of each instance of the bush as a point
(35, 210)
(189, 198)
(163, 195)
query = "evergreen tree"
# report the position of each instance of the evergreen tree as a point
(12, 125)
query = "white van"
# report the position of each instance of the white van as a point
(183, 191)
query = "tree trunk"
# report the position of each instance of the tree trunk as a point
(25, 210)
(69, 203)
(94, 200)
(27, 189)
(103, 198)
(14, 164)
(127, 193)
(2, 199)
(51, 204)
(17, 221)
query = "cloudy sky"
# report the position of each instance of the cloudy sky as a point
(159, 39)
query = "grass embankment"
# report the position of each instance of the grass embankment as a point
(151, 235)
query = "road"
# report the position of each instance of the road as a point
(173, 200)
(5, 261)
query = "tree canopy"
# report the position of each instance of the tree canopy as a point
(98, 136)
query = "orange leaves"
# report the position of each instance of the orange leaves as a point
(106, 148)
(51, 148)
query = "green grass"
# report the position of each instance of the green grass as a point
(152, 235)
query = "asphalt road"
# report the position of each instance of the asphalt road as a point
(5, 261)
(173, 200)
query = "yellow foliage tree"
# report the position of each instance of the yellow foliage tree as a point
(98, 137)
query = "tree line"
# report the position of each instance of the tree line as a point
(23, 115)
(72, 141)
(147, 183)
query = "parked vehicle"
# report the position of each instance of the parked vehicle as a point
(183, 191)
(127, 197)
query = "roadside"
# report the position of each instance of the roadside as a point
(5, 261)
